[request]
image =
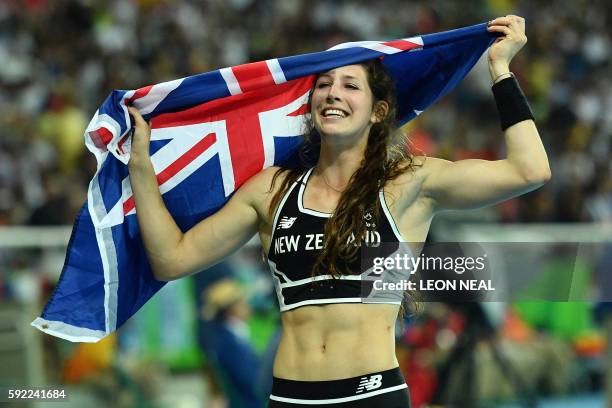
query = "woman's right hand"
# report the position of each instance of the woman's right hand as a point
(139, 153)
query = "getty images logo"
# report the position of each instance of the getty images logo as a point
(286, 222)
(369, 383)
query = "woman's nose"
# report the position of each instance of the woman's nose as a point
(332, 93)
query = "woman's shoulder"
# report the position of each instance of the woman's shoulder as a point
(262, 188)
(410, 168)
(421, 166)
(414, 171)
(266, 182)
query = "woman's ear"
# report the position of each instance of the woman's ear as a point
(380, 111)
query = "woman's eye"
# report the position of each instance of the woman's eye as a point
(322, 84)
(352, 86)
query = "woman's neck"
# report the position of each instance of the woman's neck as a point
(338, 163)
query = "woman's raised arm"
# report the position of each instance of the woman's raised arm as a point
(172, 253)
(476, 183)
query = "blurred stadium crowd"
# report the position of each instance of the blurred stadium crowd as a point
(61, 58)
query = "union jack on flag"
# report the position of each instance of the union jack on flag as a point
(210, 133)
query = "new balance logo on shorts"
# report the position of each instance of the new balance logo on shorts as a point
(286, 222)
(369, 383)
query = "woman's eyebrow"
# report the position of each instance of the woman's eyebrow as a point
(350, 77)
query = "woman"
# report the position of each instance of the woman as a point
(335, 350)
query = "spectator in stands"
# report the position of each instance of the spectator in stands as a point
(227, 343)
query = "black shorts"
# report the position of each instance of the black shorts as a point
(385, 389)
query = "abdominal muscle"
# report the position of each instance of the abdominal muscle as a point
(335, 341)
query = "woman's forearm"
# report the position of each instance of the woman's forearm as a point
(526, 152)
(160, 234)
(524, 147)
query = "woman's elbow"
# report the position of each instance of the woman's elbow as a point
(166, 273)
(167, 266)
(163, 276)
(539, 176)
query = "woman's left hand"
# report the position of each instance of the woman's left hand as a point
(513, 39)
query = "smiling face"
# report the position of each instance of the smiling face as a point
(342, 102)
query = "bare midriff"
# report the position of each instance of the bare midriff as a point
(335, 341)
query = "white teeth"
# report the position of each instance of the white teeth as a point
(334, 112)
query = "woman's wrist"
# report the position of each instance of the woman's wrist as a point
(497, 69)
(511, 102)
(137, 163)
(501, 77)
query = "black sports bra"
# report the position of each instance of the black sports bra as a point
(297, 238)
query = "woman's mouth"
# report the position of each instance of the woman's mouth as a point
(333, 113)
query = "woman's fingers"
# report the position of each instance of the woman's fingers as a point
(515, 23)
(505, 47)
(140, 137)
(141, 127)
(508, 20)
(500, 21)
(500, 29)
(512, 26)
(137, 116)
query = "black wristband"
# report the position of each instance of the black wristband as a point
(511, 102)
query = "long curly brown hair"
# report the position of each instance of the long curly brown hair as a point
(385, 158)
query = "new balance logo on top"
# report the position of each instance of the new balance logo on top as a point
(286, 222)
(369, 383)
